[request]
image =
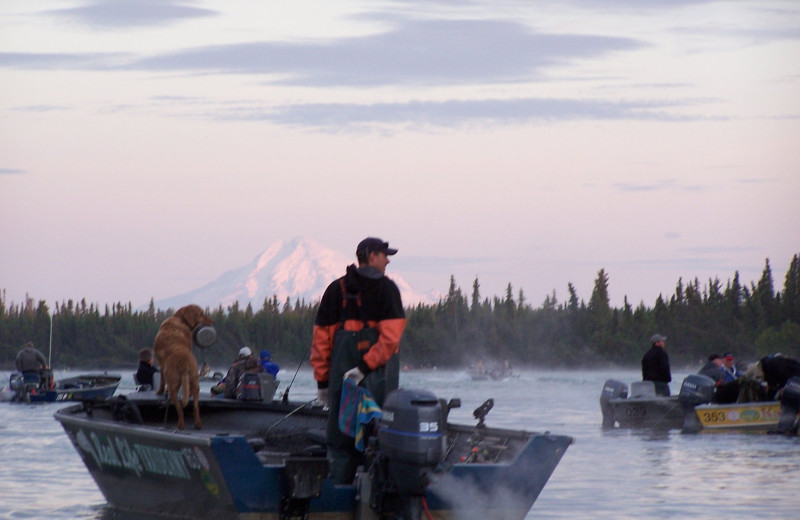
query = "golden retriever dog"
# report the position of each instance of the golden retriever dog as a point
(173, 350)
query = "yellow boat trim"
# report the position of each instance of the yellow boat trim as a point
(739, 415)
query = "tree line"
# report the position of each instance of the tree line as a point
(750, 320)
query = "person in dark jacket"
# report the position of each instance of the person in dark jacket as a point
(29, 359)
(245, 364)
(356, 335)
(655, 365)
(776, 370)
(713, 369)
(144, 375)
(725, 391)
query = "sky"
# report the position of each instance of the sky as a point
(147, 147)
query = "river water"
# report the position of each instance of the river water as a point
(619, 474)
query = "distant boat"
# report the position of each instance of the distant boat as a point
(693, 410)
(216, 376)
(477, 373)
(83, 387)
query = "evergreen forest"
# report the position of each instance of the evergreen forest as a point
(749, 319)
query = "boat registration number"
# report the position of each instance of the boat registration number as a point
(743, 415)
(716, 416)
(635, 411)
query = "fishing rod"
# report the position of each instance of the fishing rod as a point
(276, 423)
(285, 398)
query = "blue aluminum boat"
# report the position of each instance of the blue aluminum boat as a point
(83, 387)
(267, 461)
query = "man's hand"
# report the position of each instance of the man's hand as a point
(322, 396)
(355, 374)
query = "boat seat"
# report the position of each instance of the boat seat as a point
(32, 378)
(643, 390)
(268, 386)
(144, 388)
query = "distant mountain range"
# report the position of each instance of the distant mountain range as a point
(298, 269)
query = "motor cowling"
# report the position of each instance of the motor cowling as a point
(249, 387)
(411, 438)
(790, 406)
(15, 381)
(612, 389)
(696, 389)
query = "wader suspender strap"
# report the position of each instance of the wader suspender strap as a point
(347, 296)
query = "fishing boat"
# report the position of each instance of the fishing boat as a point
(90, 386)
(641, 409)
(760, 417)
(267, 460)
(216, 376)
(693, 410)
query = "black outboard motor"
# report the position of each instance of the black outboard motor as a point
(612, 389)
(696, 389)
(24, 384)
(410, 446)
(790, 407)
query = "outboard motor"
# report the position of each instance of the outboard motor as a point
(410, 446)
(249, 387)
(15, 382)
(790, 407)
(612, 389)
(24, 384)
(696, 389)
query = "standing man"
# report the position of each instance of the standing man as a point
(357, 335)
(30, 360)
(655, 365)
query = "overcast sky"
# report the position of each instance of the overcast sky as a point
(146, 147)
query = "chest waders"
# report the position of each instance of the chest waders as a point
(349, 348)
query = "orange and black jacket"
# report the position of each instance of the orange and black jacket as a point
(380, 307)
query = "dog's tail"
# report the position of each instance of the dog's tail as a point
(185, 389)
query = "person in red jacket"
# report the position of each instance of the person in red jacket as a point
(356, 335)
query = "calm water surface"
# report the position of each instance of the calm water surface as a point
(606, 475)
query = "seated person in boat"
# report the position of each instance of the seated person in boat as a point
(144, 375)
(713, 369)
(729, 368)
(245, 364)
(205, 369)
(270, 367)
(726, 391)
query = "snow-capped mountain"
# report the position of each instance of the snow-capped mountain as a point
(298, 269)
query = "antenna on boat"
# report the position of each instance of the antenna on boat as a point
(50, 354)
(285, 398)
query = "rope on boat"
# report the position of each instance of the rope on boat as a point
(665, 414)
(425, 508)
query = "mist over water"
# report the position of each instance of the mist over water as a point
(618, 474)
